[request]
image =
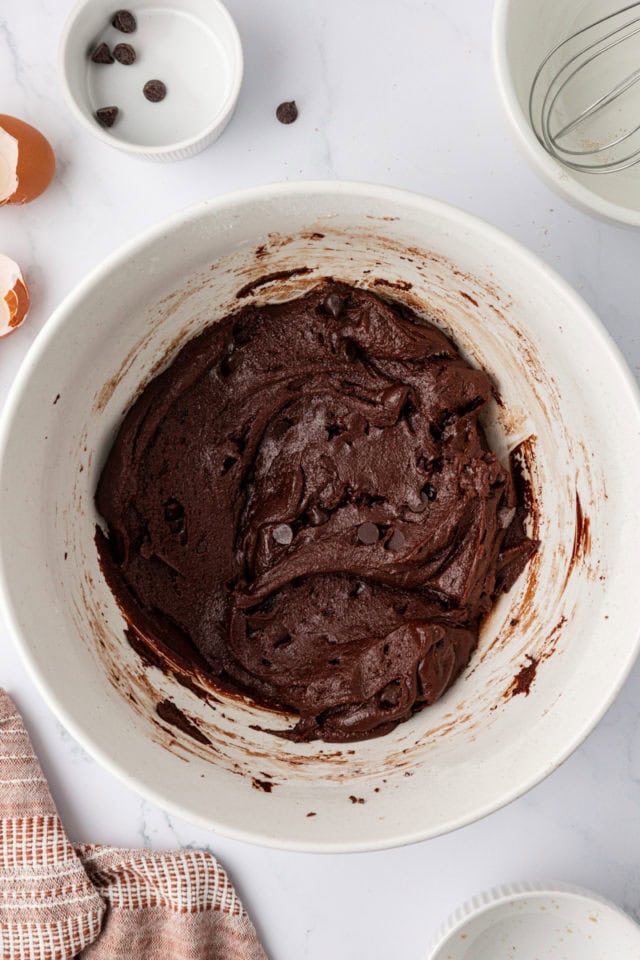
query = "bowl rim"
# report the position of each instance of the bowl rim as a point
(558, 177)
(20, 385)
(508, 894)
(163, 151)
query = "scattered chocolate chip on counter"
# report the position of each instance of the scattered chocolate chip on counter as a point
(124, 53)
(102, 54)
(106, 116)
(124, 21)
(287, 111)
(154, 90)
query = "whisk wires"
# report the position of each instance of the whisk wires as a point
(554, 76)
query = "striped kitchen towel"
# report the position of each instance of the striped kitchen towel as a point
(59, 900)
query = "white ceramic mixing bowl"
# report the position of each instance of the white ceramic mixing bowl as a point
(571, 619)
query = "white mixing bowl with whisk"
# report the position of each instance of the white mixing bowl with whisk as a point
(524, 33)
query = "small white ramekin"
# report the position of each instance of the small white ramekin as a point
(526, 921)
(524, 31)
(193, 46)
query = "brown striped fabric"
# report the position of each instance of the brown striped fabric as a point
(59, 901)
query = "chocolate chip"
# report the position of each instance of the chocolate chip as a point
(102, 54)
(173, 509)
(154, 90)
(333, 304)
(145, 550)
(284, 641)
(317, 515)
(227, 365)
(174, 515)
(351, 350)
(505, 517)
(287, 112)
(281, 427)
(283, 534)
(246, 327)
(357, 590)
(390, 695)
(124, 21)
(430, 492)
(396, 541)
(106, 116)
(368, 533)
(124, 53)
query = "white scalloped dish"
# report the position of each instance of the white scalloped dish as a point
(534, 922)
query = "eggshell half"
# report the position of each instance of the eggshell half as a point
(14, 296)
(27, 162)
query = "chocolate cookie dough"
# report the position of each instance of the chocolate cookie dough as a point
(304, 506)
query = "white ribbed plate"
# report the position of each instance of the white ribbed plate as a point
(537, 922)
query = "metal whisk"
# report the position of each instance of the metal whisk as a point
(574, 72)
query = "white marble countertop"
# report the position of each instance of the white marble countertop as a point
(400, 93)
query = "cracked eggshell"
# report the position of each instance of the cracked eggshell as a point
(27, 162)
(14, 296)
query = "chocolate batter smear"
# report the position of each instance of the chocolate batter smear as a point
(304, 507)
